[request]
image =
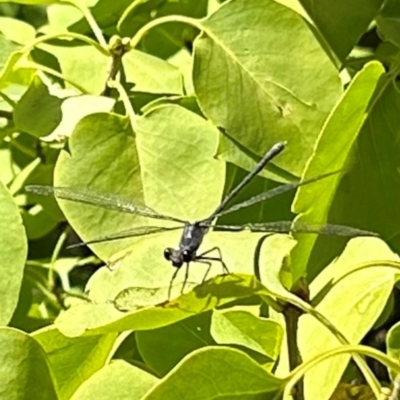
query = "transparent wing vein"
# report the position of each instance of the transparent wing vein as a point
(108, 201)
(289, 226)
(129, 233)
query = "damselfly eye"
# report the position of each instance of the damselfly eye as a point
(167, 254)
(187, 256)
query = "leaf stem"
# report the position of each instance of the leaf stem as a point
(292, 315)
(71, 35)
(50, 71)
(34, 263)
(126, 12)
(372, 264)
(299, 372)
(369, 376)
(307, 308)
(36, 279)
(56, 252)
(125, 100)
(23, 149)
(162, 20)
(90, 20)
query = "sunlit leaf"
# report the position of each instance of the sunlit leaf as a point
(241, 328)
(116, 380)
(351, 298)
(251, 78)
(13, 254)
(217, 372)
(66, 356)
(352, 140)
(25, 370)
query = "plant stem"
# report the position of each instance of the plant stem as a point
(297, 301)
(170, 18)
(57, 249)
(126, 12)
(50, 71)
(117, 47)
(299, 372)
(292, 314)
(90, 20)
(72, 35)
(23, 149)
(125, 100)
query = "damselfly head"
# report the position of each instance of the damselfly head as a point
(175, 256)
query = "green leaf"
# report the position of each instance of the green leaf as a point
(145, 72)
(45, 111)
(393, 344)
(82, 64)
(343, 22)
(270, 93)
(167, 132)
(76, 108)
(118, 380)
(17, 31)
(11, 72)
(108, 136)
(351, 298)
(173, 133)
(38, 112)
(161, 350)
(7, 171)
(217, 373)
(7, 49)
(24, 370)
(183, 60)
(9, 56)
(13, 254)
(39, 223)
(388, 22)
(31, 1)
(96, 318)
(25, 301)
(388, 54)
(359, 198)
(264, 336)
(67, 356)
